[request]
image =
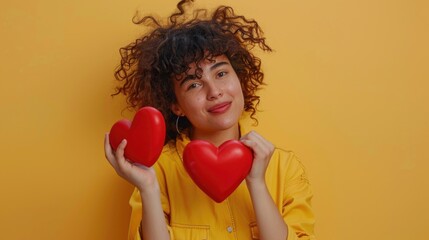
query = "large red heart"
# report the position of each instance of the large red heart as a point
(217, 171)
(145, 136)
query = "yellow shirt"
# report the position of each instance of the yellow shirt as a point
(192, 215)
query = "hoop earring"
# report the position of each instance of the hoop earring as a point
(177, 125)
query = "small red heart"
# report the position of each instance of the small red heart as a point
(217, 171)
(145, 136)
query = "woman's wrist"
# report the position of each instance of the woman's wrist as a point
(150, 190)
(256, 184)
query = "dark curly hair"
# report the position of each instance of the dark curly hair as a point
(149, 65)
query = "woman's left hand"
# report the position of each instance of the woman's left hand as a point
(262, 152)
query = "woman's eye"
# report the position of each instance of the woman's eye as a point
(221, 74)
(193, 85)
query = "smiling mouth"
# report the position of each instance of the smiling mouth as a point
(220, 108)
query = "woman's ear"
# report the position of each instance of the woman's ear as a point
(176, 109)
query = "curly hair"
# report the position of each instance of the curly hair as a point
(149, 65)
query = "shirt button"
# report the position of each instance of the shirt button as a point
(229, 229)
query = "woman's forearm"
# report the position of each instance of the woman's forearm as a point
(270, 223)
(153, 223)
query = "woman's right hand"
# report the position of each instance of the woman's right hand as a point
(140, 176)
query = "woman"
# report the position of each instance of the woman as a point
(201, 75)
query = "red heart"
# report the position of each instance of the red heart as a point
(217, 171)
(145, 136)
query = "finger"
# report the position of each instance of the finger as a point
(107, 147)
(120, 158)
(251, 144)
(108, 151)
(254, 136)
(262, 149)
(261, 141)
(120, 150)
(258, 138)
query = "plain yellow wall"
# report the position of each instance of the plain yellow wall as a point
(347, 90)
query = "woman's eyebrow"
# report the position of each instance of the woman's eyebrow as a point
(218, 64)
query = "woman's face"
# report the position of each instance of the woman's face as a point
(212, 103)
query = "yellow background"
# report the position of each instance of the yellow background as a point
(347, 91)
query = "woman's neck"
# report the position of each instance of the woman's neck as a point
(218, 137)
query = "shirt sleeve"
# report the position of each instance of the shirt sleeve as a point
(297, 210)
(136, 215)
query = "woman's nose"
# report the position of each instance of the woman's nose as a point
(214, 91)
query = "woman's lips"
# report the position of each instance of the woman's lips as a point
(220, 108)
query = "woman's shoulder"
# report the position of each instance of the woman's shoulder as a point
(287, 162)
(284, 157)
